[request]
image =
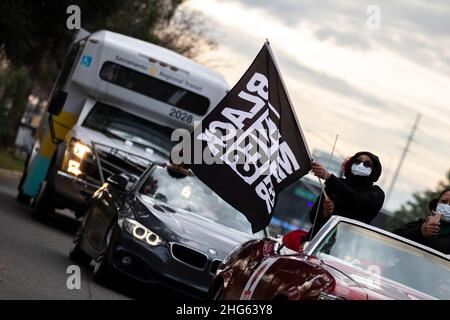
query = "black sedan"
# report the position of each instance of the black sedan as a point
(165, 228)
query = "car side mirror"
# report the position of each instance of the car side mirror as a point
(121, 181)
(57, 102)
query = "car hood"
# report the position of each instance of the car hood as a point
(90, 136)
(188, 229)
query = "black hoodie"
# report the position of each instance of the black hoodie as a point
(413, 230)
(354, 197)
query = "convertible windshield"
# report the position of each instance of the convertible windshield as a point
(387, 257)
(188, 193)
(122, 125)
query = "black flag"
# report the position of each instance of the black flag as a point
(251, 143)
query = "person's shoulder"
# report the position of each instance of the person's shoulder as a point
(340, 179)
(376, 188)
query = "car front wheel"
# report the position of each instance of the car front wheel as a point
(102, 270)
(77, 254)
(216, 290)
(100, 273)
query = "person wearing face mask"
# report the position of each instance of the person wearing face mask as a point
(354, 196)
(426, 231)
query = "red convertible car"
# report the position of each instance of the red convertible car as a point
(347, 259)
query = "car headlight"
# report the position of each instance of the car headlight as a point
(140, 232)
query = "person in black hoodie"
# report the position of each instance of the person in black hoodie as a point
(354, 196)
(433, 234)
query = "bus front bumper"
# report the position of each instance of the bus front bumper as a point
(74, 191)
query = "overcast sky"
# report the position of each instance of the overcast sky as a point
(367, 85)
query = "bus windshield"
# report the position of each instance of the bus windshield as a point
(155, 88)
(122, 125)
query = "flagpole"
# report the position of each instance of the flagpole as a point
(322, 189)
(267, 43)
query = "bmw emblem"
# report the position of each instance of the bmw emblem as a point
(212, 251)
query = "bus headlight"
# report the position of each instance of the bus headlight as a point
(140, 232)
(74, 155)
(79, 149)
(73, 167)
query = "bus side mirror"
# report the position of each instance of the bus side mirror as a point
(57, 102)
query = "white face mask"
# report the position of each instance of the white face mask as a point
(361, 170)
(444, 210)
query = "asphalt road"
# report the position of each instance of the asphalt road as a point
(34, 256)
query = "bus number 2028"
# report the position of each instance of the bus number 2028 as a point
(182, 116)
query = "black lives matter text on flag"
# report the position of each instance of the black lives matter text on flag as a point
(256, 141)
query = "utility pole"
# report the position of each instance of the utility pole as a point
(405, 151)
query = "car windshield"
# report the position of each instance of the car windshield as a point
(188, 193)
(389, 258)
(122, 125)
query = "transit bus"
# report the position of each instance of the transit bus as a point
(113, 108)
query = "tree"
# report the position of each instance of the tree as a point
(139, 19)
(14, 88)
(31, 29)
(34, 40)
(186, 33)
(418, 206)
(34, 33)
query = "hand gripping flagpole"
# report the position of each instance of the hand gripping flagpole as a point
(322, 189)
